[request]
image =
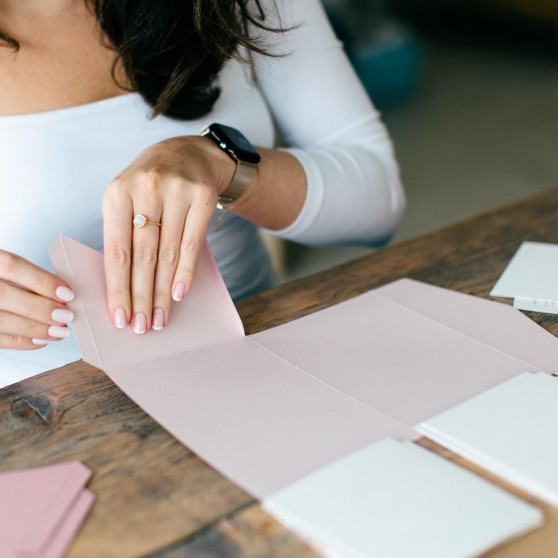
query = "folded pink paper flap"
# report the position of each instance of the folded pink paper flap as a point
(252, 415)
(271, 408)
(494, 324)
(207, 314)
(412, 350)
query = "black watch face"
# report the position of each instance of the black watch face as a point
(235, 143)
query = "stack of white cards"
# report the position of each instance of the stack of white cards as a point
(510, 430)
(395, 500)
(531, 278)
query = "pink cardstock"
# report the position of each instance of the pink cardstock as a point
(206, 315)
(36, 504)
(412, 350)
(63, 536)
(268, 409)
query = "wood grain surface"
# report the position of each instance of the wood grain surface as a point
(154, 496)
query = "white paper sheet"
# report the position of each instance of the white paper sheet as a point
(531, 278)
(511, 430)
(394, 500)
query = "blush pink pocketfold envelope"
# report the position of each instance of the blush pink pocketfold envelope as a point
(268, 409)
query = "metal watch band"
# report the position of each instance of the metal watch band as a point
(243, 177)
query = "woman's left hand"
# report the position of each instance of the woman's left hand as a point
(176, 183)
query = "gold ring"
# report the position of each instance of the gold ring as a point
(140, 221)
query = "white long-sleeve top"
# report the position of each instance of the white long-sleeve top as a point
(55, 165)
(326, 118)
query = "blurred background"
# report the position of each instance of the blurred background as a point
(469, 93)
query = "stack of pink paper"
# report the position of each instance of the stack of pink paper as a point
(41, 509)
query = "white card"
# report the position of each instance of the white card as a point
(531, 278)
(511, 430)
(395, 500)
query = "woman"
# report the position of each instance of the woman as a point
(80, 151)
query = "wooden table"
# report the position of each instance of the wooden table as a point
(154, 496)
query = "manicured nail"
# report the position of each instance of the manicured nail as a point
(40, 342)
(120, 318)
(62, 316)
(140, 323)
(178, 292)
(60, 332)
(65, 294)
(158, 319)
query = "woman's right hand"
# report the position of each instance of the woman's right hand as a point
(32, 305)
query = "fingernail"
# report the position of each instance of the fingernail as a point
(178, 292)
(40, 342)
(62, 316)
(140, 323)
(65, 294)
(60, 332)
(158, 319)
(120, 318)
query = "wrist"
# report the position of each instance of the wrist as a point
(251, 187)
(224, 166)
(242, 154)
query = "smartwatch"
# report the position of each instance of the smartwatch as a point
(240, 150)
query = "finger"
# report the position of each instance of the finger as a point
(145, 247)
(18, 326)
(19, 271)
(197, 221)
(117, 231)
(32, 306)
(173, 219)
(20, 343)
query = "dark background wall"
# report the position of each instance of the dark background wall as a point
(469, 92)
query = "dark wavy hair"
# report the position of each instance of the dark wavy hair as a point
(172, 50)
